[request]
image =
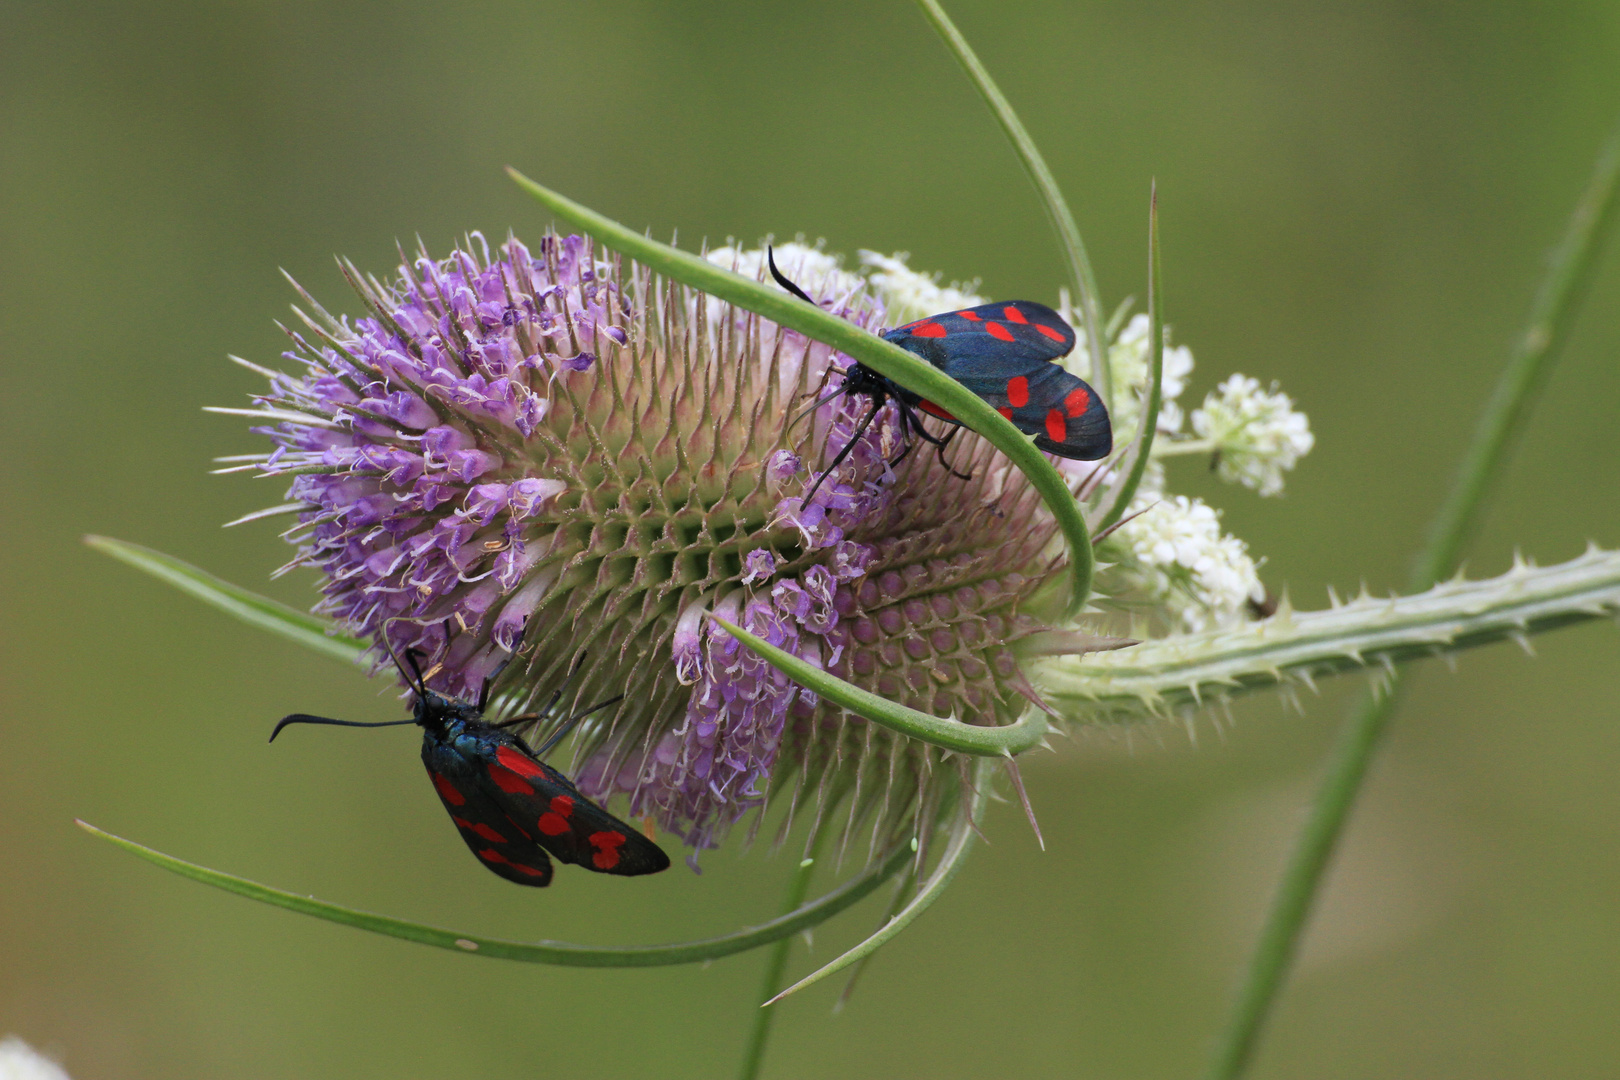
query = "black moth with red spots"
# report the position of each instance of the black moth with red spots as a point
(514, 811)
(1004, 353)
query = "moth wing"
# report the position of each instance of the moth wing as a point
(1065, 415)
(567, 824)
(500, 843)
(1042, 399)
(1012, 330)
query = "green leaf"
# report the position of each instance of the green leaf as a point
(253, 609)
(886, 359)
(955, 855)
(538, 952)
(1026, 734)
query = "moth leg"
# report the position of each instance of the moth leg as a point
(939, 451)
(914, 422)
(866, 422)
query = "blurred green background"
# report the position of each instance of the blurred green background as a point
(1356, 201)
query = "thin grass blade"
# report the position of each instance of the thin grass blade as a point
(310, 631)
(1142, 445)
(1057, 208)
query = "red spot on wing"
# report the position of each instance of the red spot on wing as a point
(509, 781)
(1014, 315)
(1006, 412)
(1018, 390)
(997, 331)
(447, 790)
(1057, 429)
(1055, 335)
(607, 849)
(934, 410)
(1077, 401)
(517, 762)
(488, 833)
(554, 822)
(971, 316)
(490, 855)
(929, 329)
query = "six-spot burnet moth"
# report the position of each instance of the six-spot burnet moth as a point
(509, 806)
(1004, 353)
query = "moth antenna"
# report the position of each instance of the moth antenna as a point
(770, 257)
(301, 718)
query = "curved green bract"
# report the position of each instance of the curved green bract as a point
(1057, 208)
(1026, 734)
(1150, 415)
(255, 610)
(956, 852)
(538, 952)
(886, 359)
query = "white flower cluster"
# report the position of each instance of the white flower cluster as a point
(1174, 556)
(1178, 558)
(19, 1061)
(911, 295)
(1128, 361)
(1256, 435)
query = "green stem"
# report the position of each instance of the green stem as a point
(537, 952)
(1293, 648)
(1184, 446)
(886, 359)
(1526, 372)
(1026, 734)
(1057, 209)
(1149, 423)
(798, 888)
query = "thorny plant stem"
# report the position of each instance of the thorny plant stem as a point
(1527, 369)
(1074, 250)
(798, 889)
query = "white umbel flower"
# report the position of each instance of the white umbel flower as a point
(19, 1061)
(1180, 560)
(909, 294)
(1257, 436)
(1128, 359)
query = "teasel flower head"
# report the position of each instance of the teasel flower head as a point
(546, 467)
